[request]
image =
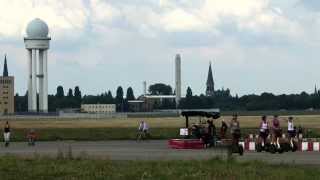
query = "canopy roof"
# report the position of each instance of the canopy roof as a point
(208, 114)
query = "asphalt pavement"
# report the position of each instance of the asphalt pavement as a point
(146, 150)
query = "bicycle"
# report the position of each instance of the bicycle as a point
(142, 135)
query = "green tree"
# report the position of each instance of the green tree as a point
(77, 92)
(130, 95)
(160, 89)
(60, 92)
(189, 93)
(77, 96)
(119, 99)
(70, 93)
(109, 98)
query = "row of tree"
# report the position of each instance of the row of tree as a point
(266, 101)
(221, 99)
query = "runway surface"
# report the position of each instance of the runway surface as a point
(147, 150)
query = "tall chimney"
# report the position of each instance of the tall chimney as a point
(144, 88)
(178, 79)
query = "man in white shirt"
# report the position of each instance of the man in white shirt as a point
(143, 126)
(291, 130)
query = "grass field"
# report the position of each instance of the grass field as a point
(307, 121)
(106, 129)
(13, 168)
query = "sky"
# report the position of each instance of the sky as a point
(255, 46)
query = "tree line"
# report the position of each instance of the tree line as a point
(221, 99)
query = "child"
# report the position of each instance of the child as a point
(31, 136)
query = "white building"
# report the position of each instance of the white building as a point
(98, 108)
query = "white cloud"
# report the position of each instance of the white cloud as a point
(180, 20)
(103, 12)
(61, 16)
(69, 18)
(113, 34)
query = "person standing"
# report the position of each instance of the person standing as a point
(223, 129)
(264, 130)
(276, 130)
(6, 134)
(235, 129)
(209, 137)
(291, 130)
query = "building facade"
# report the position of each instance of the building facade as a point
(98, 108)
(6, 91)
(149, 103)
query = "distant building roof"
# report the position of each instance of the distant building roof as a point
(160, 96)
(135, 101)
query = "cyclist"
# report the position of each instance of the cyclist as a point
(276, 131)
(264, 130)
(143, 130)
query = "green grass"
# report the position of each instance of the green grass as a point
(95, 134)
(12, 168)
(92, 134)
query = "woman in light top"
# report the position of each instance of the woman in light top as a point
(264, 129)
(291, 130)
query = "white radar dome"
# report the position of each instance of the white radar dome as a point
(37, 28)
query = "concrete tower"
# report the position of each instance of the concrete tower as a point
(37, 45)
(144, 84)
(178, 78)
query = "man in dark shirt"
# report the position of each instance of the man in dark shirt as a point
(223, 129)
(6, 134)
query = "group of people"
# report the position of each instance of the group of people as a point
(31, 135)
(276, 131)
(208, 133)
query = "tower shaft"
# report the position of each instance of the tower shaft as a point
(178, 79)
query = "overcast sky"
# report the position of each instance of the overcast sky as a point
(254, 45)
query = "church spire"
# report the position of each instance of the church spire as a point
(5, 68)
(210, 83)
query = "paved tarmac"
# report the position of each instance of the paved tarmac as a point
(146, 150)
